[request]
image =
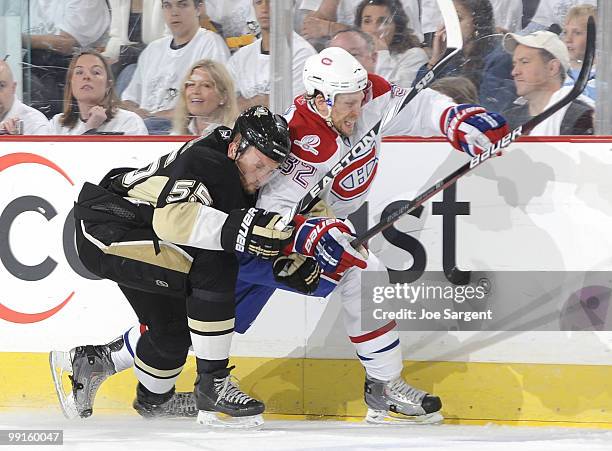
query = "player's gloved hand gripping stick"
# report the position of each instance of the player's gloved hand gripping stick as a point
(494, 148)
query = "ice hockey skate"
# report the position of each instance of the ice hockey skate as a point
(87, 367)
(170, 405)
(396, 402)
(222, 404)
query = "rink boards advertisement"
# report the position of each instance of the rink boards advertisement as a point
(541, 206)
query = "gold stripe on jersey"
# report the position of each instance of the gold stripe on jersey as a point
(210, 326)
(175, 222)
(143, 251)
(157, 372)
(150, 189)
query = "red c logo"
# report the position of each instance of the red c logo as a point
(13, 316)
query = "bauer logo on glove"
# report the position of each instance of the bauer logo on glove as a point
(328, 241)
(472, 129)
(252, 231)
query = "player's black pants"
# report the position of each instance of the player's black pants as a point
(184, 295)
(205, 317)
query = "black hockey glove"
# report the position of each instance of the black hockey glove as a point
(297, 272)
(251, 231)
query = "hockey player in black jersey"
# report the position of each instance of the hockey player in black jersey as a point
(168, 234)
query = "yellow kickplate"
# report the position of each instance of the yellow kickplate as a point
(472, 393)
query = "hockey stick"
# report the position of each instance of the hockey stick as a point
(454, 43)
(527, 127)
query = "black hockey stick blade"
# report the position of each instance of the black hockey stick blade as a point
(527, 127)
(454, 46)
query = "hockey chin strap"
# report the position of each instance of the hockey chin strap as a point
(454, 43)
(504, 142)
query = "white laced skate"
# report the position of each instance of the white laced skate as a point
(396, 402)
(60, 363)
(231, 399)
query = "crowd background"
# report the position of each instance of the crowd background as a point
(183, 66)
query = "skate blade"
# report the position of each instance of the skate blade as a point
(385, 417)
(61, 363)
(219, 420)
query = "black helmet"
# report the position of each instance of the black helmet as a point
(268, 132)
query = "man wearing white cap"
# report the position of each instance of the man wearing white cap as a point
(540, 63)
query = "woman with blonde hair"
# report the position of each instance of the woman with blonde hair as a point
(207, 99)
(90, 102)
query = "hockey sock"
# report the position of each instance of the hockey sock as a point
(210, 316)
(123, 358)
(381, 355)
(160, 356)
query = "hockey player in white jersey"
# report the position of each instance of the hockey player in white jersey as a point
(341, 104)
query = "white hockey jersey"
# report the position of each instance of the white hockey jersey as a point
(316, 147)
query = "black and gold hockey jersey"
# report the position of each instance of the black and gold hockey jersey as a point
(143, 227)
(192, 190)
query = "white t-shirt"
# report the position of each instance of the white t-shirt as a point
(233, 16)
(507, 14)
(400, 68)
(34, 122)
(85, 20)
(160, 70)
(250, 68)
(345, 14)
(124, 121)
(554, 11)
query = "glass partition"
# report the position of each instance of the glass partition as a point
(397, 39)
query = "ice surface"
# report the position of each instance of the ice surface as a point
(125, 432)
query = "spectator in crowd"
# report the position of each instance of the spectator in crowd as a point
(56, 28)
(541, 61)
(90, 102)
(489, 70)
(575, 34)
(330, 16)
(15, 117)
(207, 100)
(460, 89)
(153, 90)
(234, 20)
(134, 23)
(399, 51)
(359, 44)
(507, 14)
(249, 66)
(550, 14)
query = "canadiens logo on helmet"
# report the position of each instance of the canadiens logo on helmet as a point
(308, 143)
(327, 61)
